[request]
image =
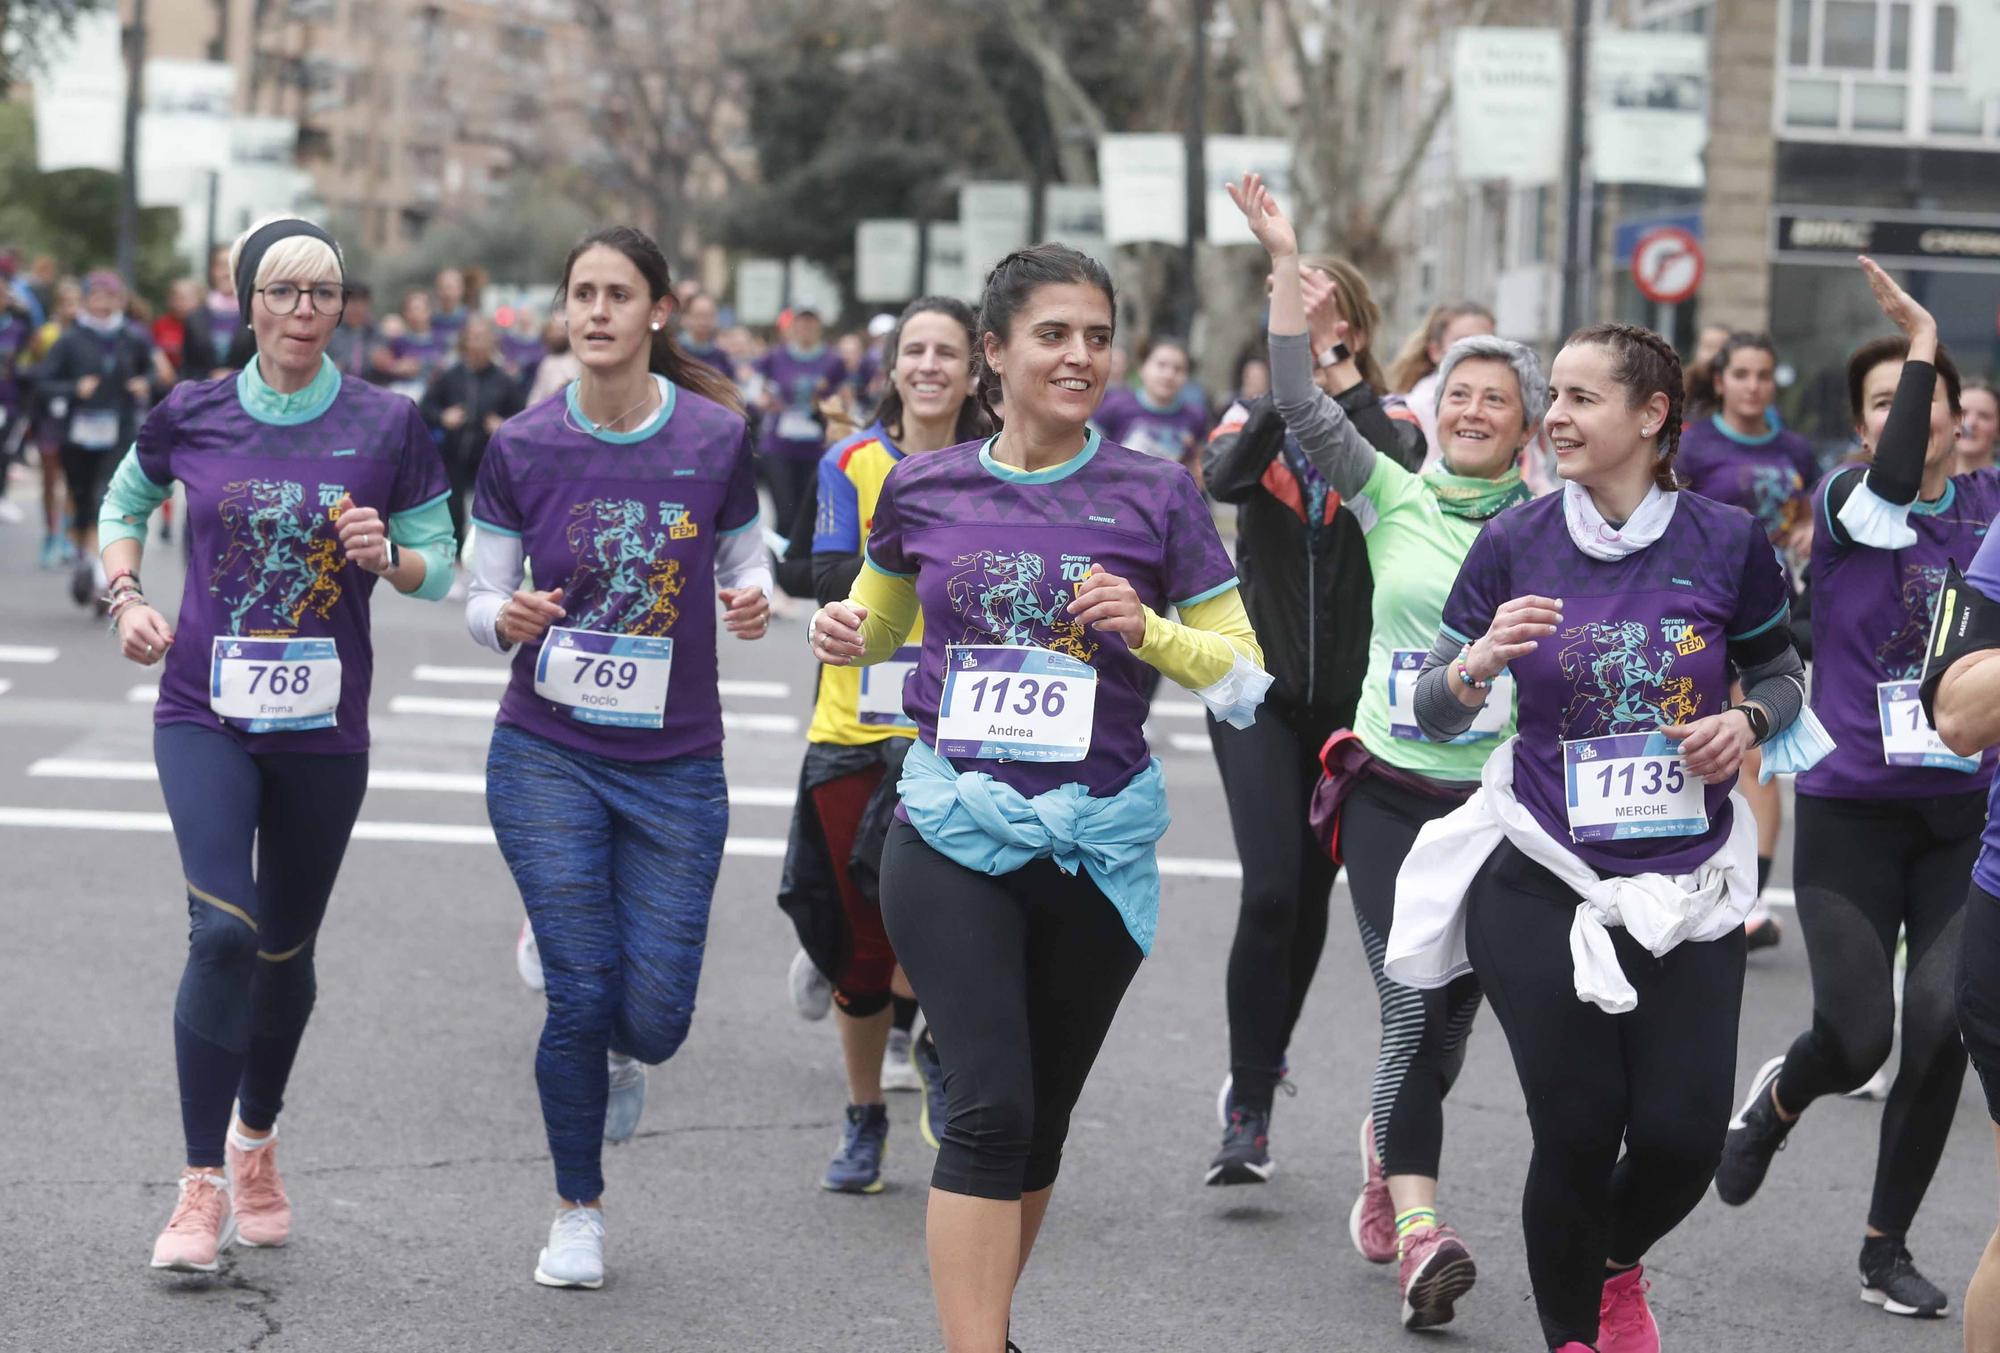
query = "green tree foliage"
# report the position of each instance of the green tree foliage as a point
(27, 29)
(73, 214)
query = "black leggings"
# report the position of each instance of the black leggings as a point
(1019, 977)
(1269, 771)
(248, 987)
(1657, 1079)
(1865, 868)
(1423, 1032)
(88, 475)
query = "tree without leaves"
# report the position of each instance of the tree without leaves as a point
(29, 29)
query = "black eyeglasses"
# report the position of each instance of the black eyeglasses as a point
(282, 298)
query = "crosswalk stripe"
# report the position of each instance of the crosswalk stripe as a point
(499, 676)
(453, 707)
(28, 653)
(6, 686)
(444, 833)
(422, 781)
(1178, 709)
(1189, 742)
(143, 695)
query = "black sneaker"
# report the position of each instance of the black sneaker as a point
(1245, 1157)
(1763, 934)
(1890, 1280)
(1756, 1134)
(81, 583)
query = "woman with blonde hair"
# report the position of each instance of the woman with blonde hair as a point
(1413, 372)
(304, 488)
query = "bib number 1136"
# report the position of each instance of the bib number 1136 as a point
(1015, 704)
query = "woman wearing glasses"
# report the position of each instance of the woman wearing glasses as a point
(304, 489)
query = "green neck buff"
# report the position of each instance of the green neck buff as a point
(267, 405)
(1478, 499)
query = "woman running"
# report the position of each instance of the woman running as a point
(1384, 779)
(1978, 428)
(1019, 884)
(1889, 824)
(304, 488)
(797, 374)
(604, 779)
(859, 731)
(1413, 372)
(1157, 418)
(1305, 572)
(1738, 454)
(1598, 880)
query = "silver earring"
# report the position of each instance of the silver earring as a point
(656, 326)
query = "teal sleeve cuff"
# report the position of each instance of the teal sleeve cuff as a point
(888, 572)
(755, 517)
(1210, 595)
(1784, 608)
(129, 502)
(427, 531)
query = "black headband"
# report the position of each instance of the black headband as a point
(259, 244)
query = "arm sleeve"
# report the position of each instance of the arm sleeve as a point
(426, 531)
(1199, 648)
(498, 566)
(1779, 685)
(1240, 449)
(1440, 714)
(742, 561)
(1870, 504)
(129, 502)
(1329, 440)
(891, 602)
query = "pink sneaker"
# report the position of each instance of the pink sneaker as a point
(201, 1228)
(1372, 1223)
(263, 1212)
(1624, 1321)
(1437, 1270)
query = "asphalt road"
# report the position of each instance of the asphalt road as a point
(413, 1145)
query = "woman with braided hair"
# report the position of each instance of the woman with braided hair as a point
(1598, 880)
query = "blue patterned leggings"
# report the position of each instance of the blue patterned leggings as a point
(616, 862)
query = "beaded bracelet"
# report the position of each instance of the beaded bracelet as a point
(120, 576)
(1465, 673)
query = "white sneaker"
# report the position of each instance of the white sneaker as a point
(528, 959)
(897, 1073)
(812, 994)
(627, 1100)
(575, 1253)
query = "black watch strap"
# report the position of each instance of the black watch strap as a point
(1760, 722)
(395, 556)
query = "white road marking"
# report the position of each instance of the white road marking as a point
(143, 695)
(447, 706)
(1178, 709)
(1189, 742)
(499, 676)
(421, 781)
(6, 686)
(27, 653)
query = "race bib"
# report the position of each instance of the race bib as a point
(795, 425)
(274, 685)
(94, 429)
(1907, 736)
(615, 679)
(1015, 704)
(882, 690)
(1404, 666)
(1631, 785)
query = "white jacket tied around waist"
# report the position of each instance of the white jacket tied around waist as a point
(1427, 941)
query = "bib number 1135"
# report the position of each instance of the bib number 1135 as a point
(1631, 785)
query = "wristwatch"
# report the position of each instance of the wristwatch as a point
(1760, 721)
(395, 558)
(1335, 355)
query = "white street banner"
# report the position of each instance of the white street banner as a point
(1507, 104)
(994, 219)
(945, 273)
(1649, 107)
(183, 129)
(760, 290)
(1226, 159)
(80, 99)
(885, 260)
(1144, 177)
(814, 288)
(1073, 213)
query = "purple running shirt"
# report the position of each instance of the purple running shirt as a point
(1642, 645)
(1128, 420)
(1984, 574)
(997, 555)
(1767, 476)
(264, 553)
(800, 381)
(626, 524)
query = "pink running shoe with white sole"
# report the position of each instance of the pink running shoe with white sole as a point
(201, 1227)
(263, 1212)
(1437, 1270)
(1371, 1224)
(1624, 1320)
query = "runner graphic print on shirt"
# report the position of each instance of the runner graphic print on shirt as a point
(1902, 653)
(280, 559)
(625, 581)
(1621, 681)
(1005, 598)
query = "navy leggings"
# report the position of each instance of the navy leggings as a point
(616, 863)
(248, 988)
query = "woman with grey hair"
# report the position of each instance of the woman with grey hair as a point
(1383, 780)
